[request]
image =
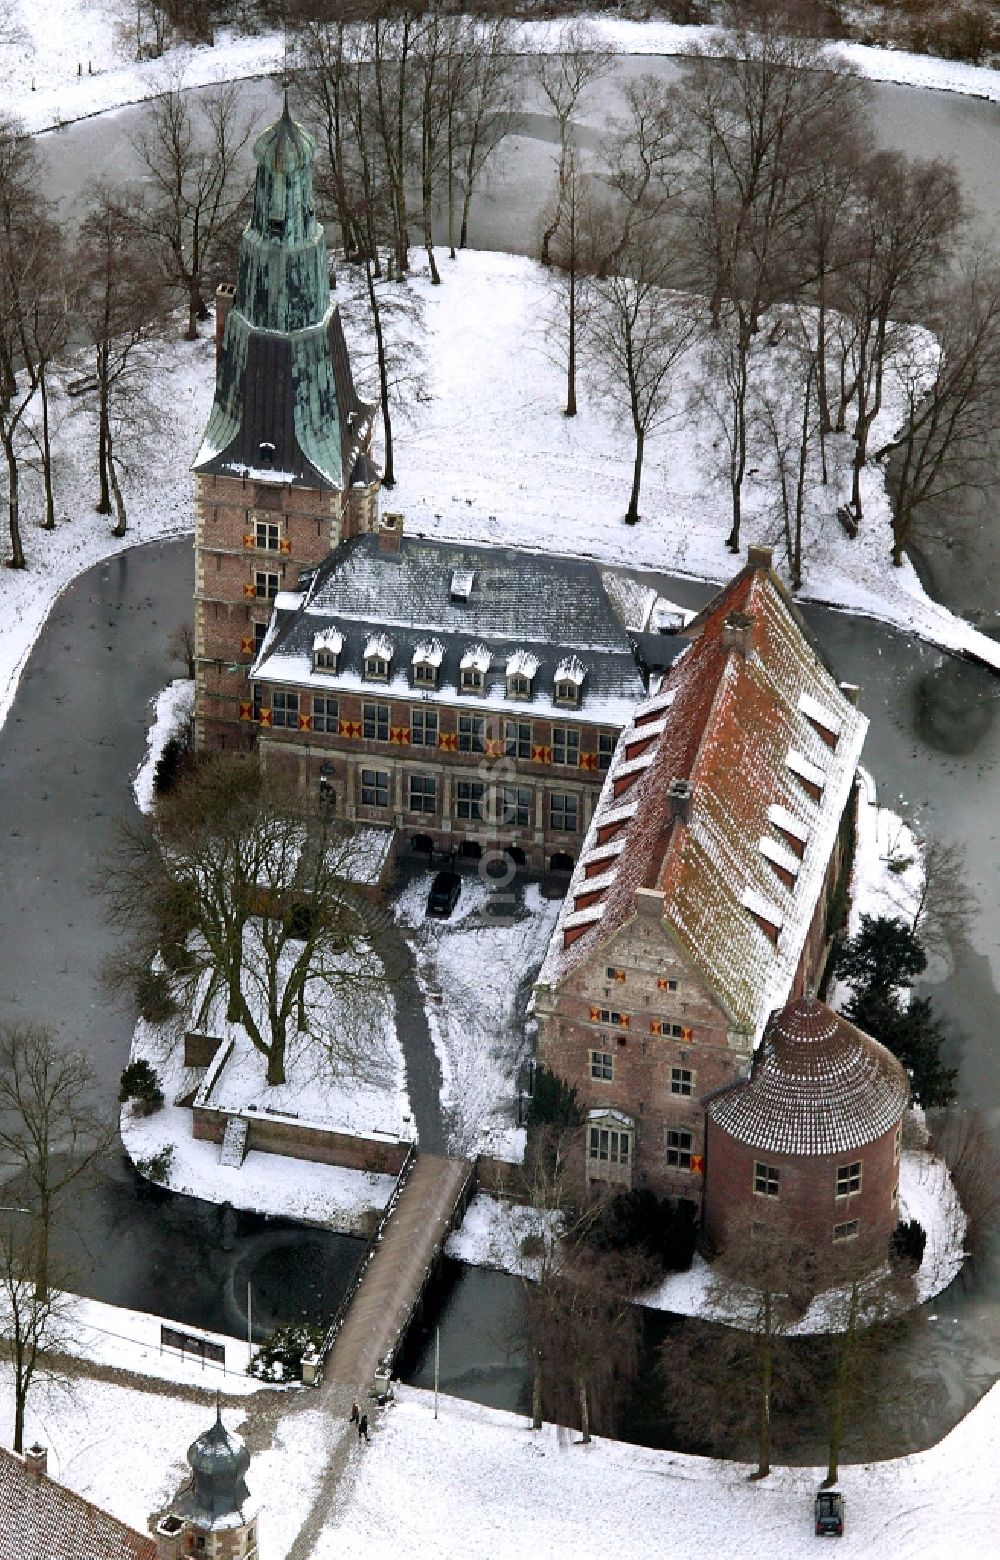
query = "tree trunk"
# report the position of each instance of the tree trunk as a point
(20, 1402)
(49, 523)
(118, 529)
(840, 1391)
(103, 432)
(16, 559)
(196, 309)
(571, 345)
(451, 186)
(276, 1060)
(632, 512)
(800, 484)
(767, 1371)
(584, 1413)
(536, 1391)
(388, 473)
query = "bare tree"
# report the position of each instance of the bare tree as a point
(51, 1127)
(252, 905)
(33, 1321)
(563, 76)
(483, 113)
(191, 153)
(946, 908)
(571, 259)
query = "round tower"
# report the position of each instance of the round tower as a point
(811, 1139)
(213, 1515)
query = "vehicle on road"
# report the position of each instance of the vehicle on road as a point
(444, 892)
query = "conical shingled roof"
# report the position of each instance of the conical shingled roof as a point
(218, 1496)
(818, 1085)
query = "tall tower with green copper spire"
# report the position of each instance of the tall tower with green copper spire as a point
(285, 471)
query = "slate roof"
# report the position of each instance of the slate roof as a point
(217, 1497)
(545, 606)
(42, 1520)
(726, 725)
(818, 1085)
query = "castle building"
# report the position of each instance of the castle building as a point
(284, 472)
(702, 896)
(812, 1138)
(41, 1517)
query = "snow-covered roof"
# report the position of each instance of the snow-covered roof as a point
(462, 581)
(476, 657)
(328, 638)
(380, 645)
(731, 728)
(427, 652)
(522, 663)
(818, 1085)
(571, 669)
(609, 1113)
(820, 714)
(38, 1515)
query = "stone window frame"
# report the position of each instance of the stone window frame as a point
(605, 749)
(428, 725)
(325, 713)
(602, 1066)
(766, 1179)
(271, 530)
(375, 719)
(610, 1145)
(564, 805)
(469, 800)
(518, 806)
(421, 790)
(682, 1082)
(472, 733)
(324, 659)
(375, 787)
(425, 674)
(849, 1230)
(472, 679)
(680, 1148)
(285, 707)
(266, 584)
(566, 746)
(567, 693)
(517, 742)
(377, 668)
(518, 686)
(849, 1179)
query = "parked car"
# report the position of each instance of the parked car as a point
(444, 893)
(829, 1514)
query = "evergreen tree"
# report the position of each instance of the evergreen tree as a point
(884, 954)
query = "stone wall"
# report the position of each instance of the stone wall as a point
(282, 1135)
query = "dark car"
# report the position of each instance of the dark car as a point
(830, 1514)
(444, 893)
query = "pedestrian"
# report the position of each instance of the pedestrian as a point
(363, 1427)
(355, 1413)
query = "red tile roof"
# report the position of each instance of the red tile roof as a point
(42, 1520)
(819, 1085)
(741, 878)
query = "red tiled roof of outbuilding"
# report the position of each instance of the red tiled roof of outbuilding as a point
(818, 1085)
(42, 1520)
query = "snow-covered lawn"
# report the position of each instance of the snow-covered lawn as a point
(474, 971)
(130, 1340)
(476, 1483)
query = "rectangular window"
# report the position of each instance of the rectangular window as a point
(602, 1066)
(258, 701)
(375, 722)
(285, 709)
(471, 731)
(265, 585)
(472, 679)
(614, 973)
(608, 1146)
(423, 728)
(605, 749)
(326, 714)
(374, 788)
(469, 799)
(681, 1080)
(765, 1180)
(564, 813)
(849, 1179)
(846, 1231)
(609, 1016)
(425, 673)
(516, 806)
(517, 738)
(565, 745)
(267, 534)
(259, 631)
(679, 1149)
(423, 794)
(664, 983)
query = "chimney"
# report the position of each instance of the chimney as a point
(759, 557)
(169, 1533)
(224, 294)
(737, 633)
(390, 533)
(649, 902)
(678, 801)
(36, 1460)
(852, 693)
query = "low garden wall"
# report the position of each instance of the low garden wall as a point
(298, 1140)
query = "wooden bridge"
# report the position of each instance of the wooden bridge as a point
(372, 1323)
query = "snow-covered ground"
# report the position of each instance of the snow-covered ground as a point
(129, 1341)
(473, 970)
(173, 709)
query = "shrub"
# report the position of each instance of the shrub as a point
(553, 1102)
(173, 763)
(279, 1357)
(139, 1082)
(158, 1166)
(663, 1228)
(907, 1242)
(153, 997)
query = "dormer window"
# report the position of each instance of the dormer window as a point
(266, 453)
(521, 669)
(378, 658)
(327, 645)
(472, 669)
(569, 677)
(426, 663)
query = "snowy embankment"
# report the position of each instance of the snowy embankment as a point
(74, 59)
(173, 710)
